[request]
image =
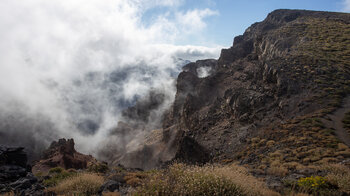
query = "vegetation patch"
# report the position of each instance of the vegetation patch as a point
(80, 184)
(339, 176)
(134, 178)
(294, 146)
(56, 175)
(180, 179)
(98, 167)
(314, 184)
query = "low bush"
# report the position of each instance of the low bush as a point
(56, 170)
(339, 176)
(80, 184)
(98, 168)
(277, 171)
(313, 183)
(134, 178)
(180, 179)
(57, 175)
(111, 194)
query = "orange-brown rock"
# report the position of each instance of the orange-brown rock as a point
(62, 154)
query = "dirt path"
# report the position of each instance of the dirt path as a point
(337, 124)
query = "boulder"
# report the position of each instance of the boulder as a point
(14, 174)
(13, 156)
(11, 172)
(109, 186)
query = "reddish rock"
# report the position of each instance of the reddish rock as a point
(62, 154)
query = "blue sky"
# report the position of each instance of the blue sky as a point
(234, 16)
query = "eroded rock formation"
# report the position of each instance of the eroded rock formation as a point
(62, 154)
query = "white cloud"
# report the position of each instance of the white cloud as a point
(76, 60)
(193, 20)
(147, 4)
(346, 5)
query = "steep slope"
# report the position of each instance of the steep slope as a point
(266, 97)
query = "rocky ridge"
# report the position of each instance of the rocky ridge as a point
(264, 99)
(274, 73)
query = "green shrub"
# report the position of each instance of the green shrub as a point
(57, 176)
(39, 174)
(56, 170)
(98, 168)
(313, 183)
(316, 185)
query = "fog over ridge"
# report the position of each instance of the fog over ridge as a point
(69, 68)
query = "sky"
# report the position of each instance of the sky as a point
(230, 18)
(68, 68)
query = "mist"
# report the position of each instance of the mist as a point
(70, 68)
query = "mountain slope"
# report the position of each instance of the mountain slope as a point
(266, 98)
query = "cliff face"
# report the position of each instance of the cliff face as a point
(270, 92)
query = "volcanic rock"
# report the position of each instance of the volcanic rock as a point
(13, 156)
(62, 154)
(273, 73)
(109, 186)
(14, 174)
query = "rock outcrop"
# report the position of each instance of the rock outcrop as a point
(13, 156)
(15, 175)
(291, 66)
(62, 154)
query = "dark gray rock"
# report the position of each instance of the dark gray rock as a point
(31, 178)
(13, 156)
(21, 184)
(36, 190)
(15, 175)
(11, 172)
(109, 186)
(274, 183)
(118, 178)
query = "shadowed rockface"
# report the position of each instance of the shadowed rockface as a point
(275, 84)
(277, 72)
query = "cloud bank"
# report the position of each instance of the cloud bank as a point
(68, 68)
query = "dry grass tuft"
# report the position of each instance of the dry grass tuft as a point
(339, 175)
(134, 178)
(277, 171)
(181, 179)
(81, 184)
(111, 194)
(8, 194)
(299, 194)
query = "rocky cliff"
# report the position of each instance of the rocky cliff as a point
(275, 98)
(269, 96)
